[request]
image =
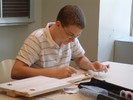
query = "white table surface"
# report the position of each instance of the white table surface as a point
(118, 73)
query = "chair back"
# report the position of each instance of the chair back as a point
(5, 70)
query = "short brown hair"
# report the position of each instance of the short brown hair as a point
(71, 15)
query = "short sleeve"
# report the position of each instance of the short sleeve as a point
(77, 50)
(29, 52)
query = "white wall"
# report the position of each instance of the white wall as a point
(12, 37)
(114, 23)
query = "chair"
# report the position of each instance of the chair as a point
(5, 70)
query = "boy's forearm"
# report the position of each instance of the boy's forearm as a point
(84, 63)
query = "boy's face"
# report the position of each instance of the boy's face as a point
(70, 33)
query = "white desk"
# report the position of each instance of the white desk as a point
(120, 74)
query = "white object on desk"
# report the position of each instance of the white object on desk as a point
(32, 86)
(37, 85)
(97, 74)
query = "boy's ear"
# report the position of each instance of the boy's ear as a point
(58, 23)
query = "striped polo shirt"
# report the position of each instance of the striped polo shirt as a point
(40, 50)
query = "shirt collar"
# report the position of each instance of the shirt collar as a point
(49, 37)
